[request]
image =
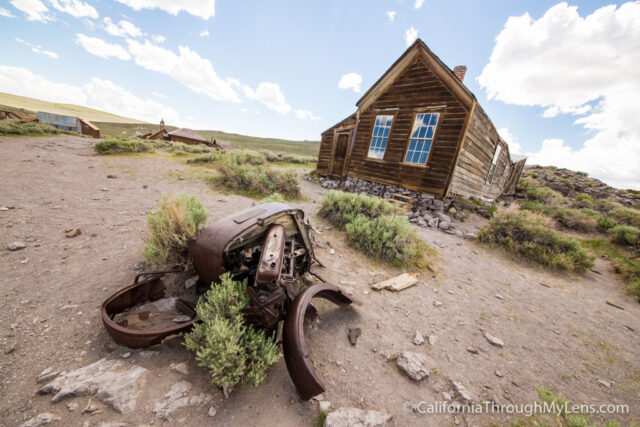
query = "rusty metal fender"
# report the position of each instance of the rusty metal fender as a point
(295, 351)
(150, 288)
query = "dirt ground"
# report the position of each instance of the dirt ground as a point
(562, 336)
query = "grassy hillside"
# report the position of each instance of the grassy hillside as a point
(114, 125)
(305, 148)
(35, 105)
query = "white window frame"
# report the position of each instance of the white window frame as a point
(416, 139)
(494, 163)
(380, 136)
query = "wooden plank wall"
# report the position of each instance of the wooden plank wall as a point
(416, 88)
(514, 175)
(326, 144)
(469, 178)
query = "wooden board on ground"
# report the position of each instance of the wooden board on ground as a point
(397, 283)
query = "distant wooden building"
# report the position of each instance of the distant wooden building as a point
(161, 133)
(222, 145)
(187, 136)
(419, 127)
(70, 123)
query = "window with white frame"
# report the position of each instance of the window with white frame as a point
(421, 140)
(380, 136)
(494, 162)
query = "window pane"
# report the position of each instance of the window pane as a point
(379, 136)
(430, 132)
(423, 157)
(434, 119)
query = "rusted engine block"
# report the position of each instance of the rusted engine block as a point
(269, 246)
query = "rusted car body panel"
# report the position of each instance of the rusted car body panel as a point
(270, 247)
(148, 289)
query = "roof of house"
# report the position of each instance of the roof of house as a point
(89, 124)
(188, 133)
(446, 75)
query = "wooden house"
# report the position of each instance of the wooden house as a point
(70, 123)
(187, 136)
(419, 128)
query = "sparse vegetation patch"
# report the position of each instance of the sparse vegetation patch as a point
(530, 235)
(374, 226)
(177, 220)
(114, 146)
(16, 127)
(258, 180)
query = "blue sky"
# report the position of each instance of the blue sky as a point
(273, 68)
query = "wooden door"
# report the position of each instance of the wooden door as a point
(340, 147)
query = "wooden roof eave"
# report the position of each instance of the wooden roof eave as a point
(418, 49)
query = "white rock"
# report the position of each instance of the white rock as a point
(418, 339)
(332, 251)
(180, 367)
(46, 375)
(437, 303)
(212, 411)
(446, 396)
(72, 406)
(350, 417)
(413, 364)
(40, 420)
(177, 398)
(16, 246)
(432, 340)
(494, 340)
(189, 283)
(462, 392)
(126, 355)
(324, 405)
(112, 381)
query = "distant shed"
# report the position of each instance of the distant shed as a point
(187, 136)
(70, 123)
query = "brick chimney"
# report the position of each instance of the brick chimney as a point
(460, 71)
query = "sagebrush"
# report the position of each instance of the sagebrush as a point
(374, 226)
(114, 146)
(258, 180)
(232, 351)
(177, 220)
(16, 127)
(530, 235)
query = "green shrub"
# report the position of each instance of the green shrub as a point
(288, 158)
(574, 219)
(177, 220)
(623, 260)
(625, 235)
(628, 216)
(566, 181)
(211, 158)
(341, 208)
(605, 223)
(607, 205)
(229, 349)
(530, 236)
(112, 146)
(246, 157)
(583, 200)
(16, 127)
(275, 197)
(534, 191)
(258, 180)
(374, 226)
(180, 147)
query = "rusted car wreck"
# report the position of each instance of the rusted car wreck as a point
(268, 245)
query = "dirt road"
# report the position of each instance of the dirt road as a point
(561, 335)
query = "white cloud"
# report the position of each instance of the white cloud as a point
(34, 10)
(305, 114)
(391, 15)
(418, 4)
(122, 28)
(157, 38)
(410, 36)
(270, 95)
(97, 93)
(514, 147)
(543, 63)
(350, 81)
(75, 8)
(186, 67)
(101, 48)
(38, 49)
(204, 33)
(4, 12)
(204, 9)
(159, 95)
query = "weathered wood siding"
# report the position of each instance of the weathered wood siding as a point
(514, 176)
(326, 144)
(470, 174)
(416, 88)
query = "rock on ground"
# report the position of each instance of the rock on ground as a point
(16, 246)
(494, 340)
(40, 420)
(112, 381)
(462, 392)
(413, 364)
(355, 417)
(177, 398)
(418, 339)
